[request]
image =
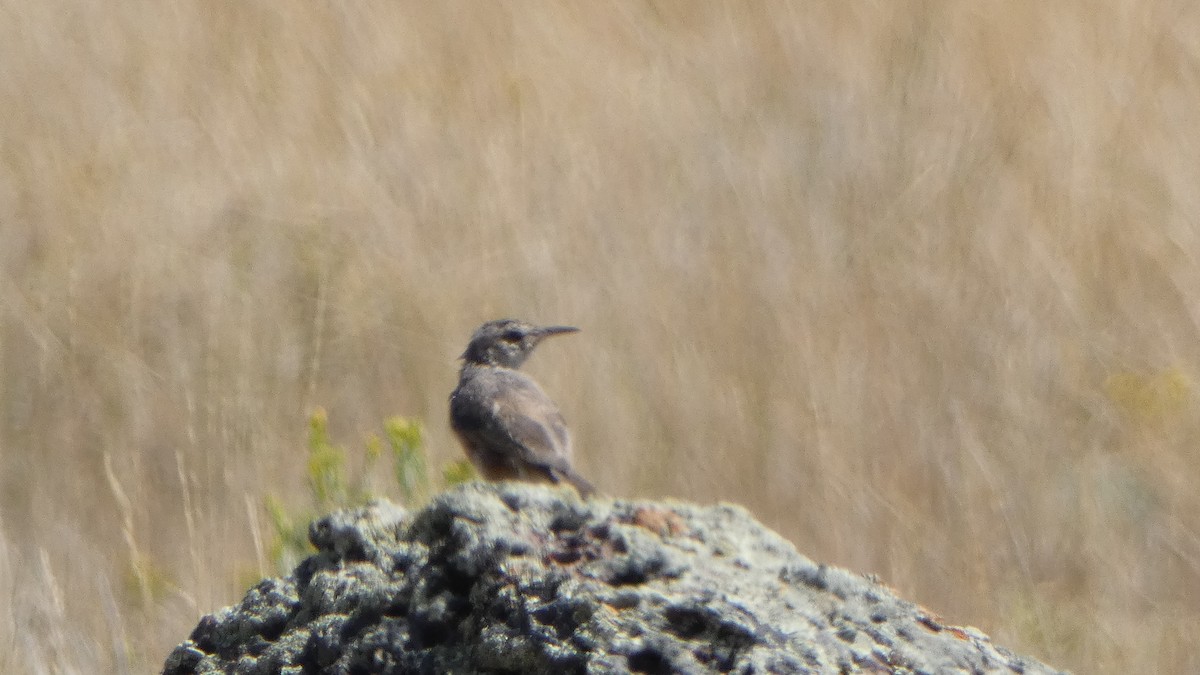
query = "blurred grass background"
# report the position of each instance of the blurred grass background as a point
(916, 282)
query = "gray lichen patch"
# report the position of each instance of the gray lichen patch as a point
(512, 578)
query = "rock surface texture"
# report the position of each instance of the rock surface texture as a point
(510, 578)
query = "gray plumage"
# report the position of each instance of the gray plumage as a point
(509, 427)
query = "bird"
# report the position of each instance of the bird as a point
(509, 428)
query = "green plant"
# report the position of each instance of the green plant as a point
(1151, 398)
(334, 484)
(457, 472)
(327, 480)
(405, 437)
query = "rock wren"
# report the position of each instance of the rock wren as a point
(509, 427)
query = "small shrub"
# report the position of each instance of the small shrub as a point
(332, 485)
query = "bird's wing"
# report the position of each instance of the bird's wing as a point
(529, 422)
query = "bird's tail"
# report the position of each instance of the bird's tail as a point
(581, 485)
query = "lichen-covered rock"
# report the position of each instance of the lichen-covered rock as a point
(512, 578)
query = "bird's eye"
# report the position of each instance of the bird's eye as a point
(512, 336)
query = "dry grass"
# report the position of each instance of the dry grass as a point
(917, 282)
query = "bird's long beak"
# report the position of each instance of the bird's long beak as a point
(547, 331)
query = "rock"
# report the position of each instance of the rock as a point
(511, 578)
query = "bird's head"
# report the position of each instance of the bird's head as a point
(507, 342)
